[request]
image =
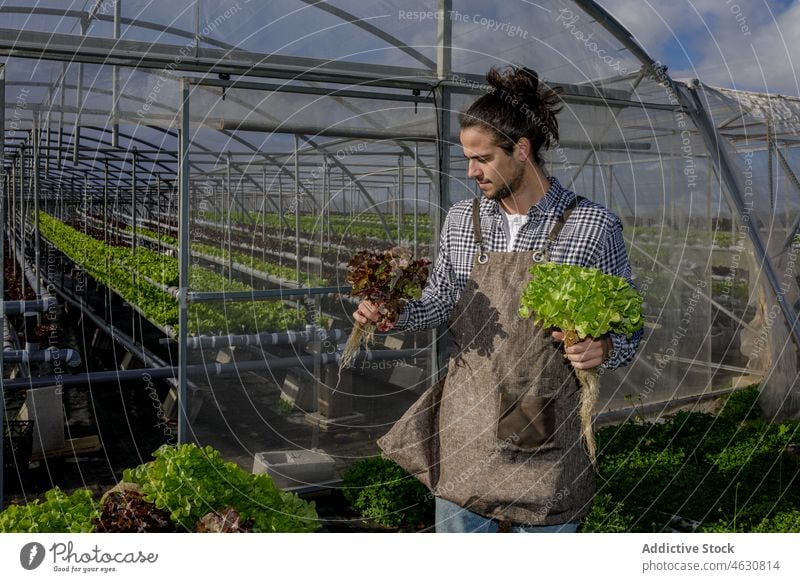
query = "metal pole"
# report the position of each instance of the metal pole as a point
(133, 200)
(297, 205)
(770, 171)
(107, 294)
(105, 201)
(709, 345)
(197, 28)
(115, 78)
(36, 239)
(158, 202)
(416, 198)
(324, 214)
(61, 116)
(47, 132)
(2, 272)
(229, 202)
(326, 193)
(400, 195)
(13, 216)
(183, 266)
(22, 217)
(264, 211)
(444, 42)
(76, 134)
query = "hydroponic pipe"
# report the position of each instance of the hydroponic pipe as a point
(70, 357)
(211, 369)
(30, 318)
(31, 276)
(30, 306)
(265, 339)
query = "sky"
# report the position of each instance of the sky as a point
(741, 44)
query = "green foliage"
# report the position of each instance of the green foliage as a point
(741, 405)
(364, 226)
(783, 522)
(606, 516)
(667, 237)
(251, 261)
(381, 490)
(58, 513)
(128, 274)
(738, 289)
(729, 472)
(189, 482)
(587, 300)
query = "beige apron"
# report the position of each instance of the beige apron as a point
(501, 435)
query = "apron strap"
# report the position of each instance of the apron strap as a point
(562, 220)
(476, 222)
(551, 237)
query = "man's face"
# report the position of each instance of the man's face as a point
(497, 173)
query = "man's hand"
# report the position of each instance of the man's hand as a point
(588, 353)
(367, 312)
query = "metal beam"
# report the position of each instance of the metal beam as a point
(317, 130)
(364, 24)
(308, 90)
(612, 25)
(148, 55)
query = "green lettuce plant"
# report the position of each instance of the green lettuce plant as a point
(582, 299)
(58, 513)
(189, 482)
(582, 302)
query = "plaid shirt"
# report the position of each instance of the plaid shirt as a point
(592, 237)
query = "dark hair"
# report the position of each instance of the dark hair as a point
(518, 106)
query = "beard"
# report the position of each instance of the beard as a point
(511, 186)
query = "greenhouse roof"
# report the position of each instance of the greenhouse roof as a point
(101, 78)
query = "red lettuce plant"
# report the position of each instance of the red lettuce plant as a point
(388, 279)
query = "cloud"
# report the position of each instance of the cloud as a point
(745, 44)
(768, 60)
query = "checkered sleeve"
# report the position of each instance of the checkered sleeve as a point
(612, 259)
(440, 294)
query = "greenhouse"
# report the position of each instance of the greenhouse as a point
(184, 183)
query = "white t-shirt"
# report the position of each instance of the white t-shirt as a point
(511, 225)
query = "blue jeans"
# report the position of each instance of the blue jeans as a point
(452, 518)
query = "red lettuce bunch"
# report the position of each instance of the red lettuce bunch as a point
(388, 278)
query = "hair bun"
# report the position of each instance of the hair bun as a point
(520, 81)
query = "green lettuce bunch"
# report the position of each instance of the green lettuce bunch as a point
(189, 481)
(58, 513)
(569, 297)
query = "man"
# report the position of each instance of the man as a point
(499, 441)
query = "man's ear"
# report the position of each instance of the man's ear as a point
(523, 149)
